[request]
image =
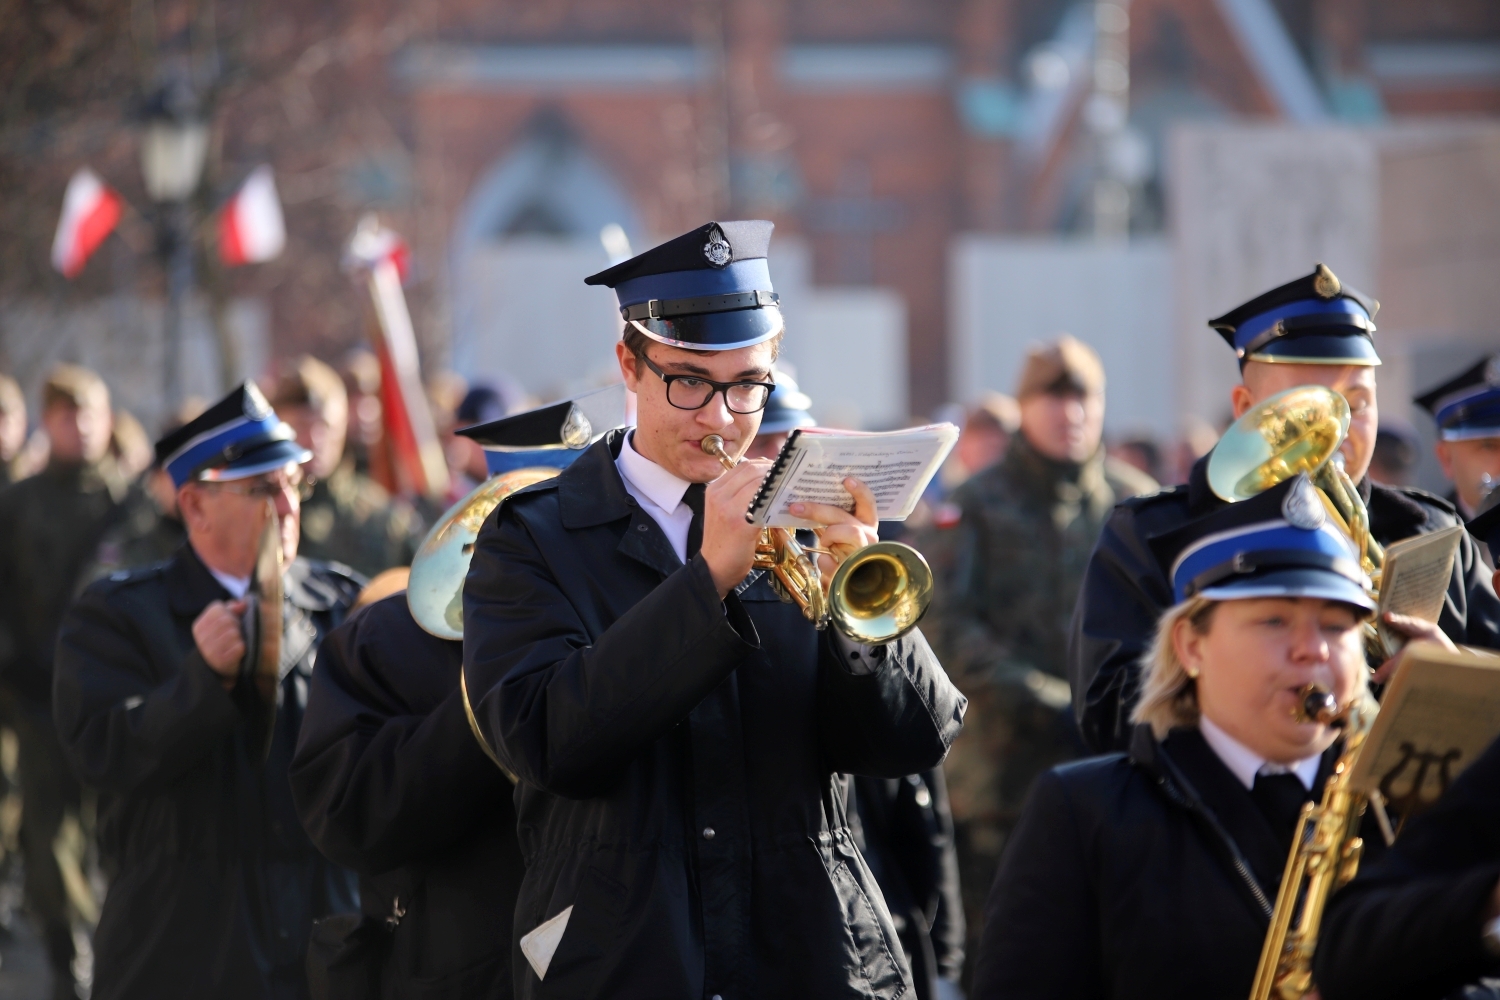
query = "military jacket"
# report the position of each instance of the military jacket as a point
(216, 884)
(1125, 591)
(50, 526)
(351, 519)
(680, 755)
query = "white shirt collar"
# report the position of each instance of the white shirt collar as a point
(236, 585)
(660, 486)
(1245, 763)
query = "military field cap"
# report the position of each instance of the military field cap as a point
(552, 435)
(74, 385)
(787, 408)
(1486, 524)
(1279, 543)
(237, 437)
(309, 382)
(1468, 405)
(707, 290)
(997, 408)
(1315, 320)
(1064, 367)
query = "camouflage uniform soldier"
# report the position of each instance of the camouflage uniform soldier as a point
(50, 525)
(350, 518)
(1025, 530)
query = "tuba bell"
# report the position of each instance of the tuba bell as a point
(877, 594)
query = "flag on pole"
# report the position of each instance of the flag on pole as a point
(251, 228)
(89, 214)
(417, 460)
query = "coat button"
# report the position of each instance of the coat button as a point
(717, 997)
(708, 833)
(641, 527)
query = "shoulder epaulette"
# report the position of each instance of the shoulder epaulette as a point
(136, 574)
(1165, 493)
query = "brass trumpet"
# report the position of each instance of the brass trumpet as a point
(877, 594)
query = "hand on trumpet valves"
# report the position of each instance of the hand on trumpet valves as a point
(728, 539)
(842, 531)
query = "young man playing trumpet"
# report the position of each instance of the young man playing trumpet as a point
(678, 732)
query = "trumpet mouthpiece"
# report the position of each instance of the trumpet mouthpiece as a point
(712, 445)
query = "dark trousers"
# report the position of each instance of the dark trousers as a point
(48, 792)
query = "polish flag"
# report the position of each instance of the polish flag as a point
(90, 212)
(251, 230)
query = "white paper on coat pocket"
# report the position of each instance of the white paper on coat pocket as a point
(541, 944)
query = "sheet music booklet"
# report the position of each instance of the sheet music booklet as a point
(1415, 579)
(812, 465)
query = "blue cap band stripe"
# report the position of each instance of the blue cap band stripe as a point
(1476, 408)
(210, 444)
(740, 276)
(497, 461)
(1336, 310)
(1222, 547)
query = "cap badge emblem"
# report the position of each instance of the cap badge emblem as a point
(1325, 282)
(1492, 371)
(717, 251)
(1303, 508)
(256, 407)
(576, 430)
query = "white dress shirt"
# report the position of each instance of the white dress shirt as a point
(1245, 763)
(660, 493)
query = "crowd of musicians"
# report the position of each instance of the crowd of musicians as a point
(628, 767)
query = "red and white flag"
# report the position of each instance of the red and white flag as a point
(251, 228)
(90, 212)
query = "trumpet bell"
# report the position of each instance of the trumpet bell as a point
(435, 590)
(1292, 432)
(880, 592)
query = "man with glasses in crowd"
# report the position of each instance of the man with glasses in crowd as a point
(678, 733)
(215, 885)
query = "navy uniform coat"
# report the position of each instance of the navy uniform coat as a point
(216, 886)
(390, 781)
(1125, 592)
(679, 757)
(1147, 875)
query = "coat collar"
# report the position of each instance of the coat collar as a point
(191, 587)
(590, 492)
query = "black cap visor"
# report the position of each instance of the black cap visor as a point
(715, 331)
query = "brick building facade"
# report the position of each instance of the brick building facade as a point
(872, 131)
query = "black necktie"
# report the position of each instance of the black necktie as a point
(694, 499)
(1280, 798)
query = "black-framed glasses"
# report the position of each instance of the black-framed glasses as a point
(692, 392)
(268, 489)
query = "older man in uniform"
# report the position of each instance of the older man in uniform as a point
(216, 885)
(677, 730)
(1312, 331)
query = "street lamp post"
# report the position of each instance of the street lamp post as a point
(173, 147)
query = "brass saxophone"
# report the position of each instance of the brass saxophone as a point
(1325, 854)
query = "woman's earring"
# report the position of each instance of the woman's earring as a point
(1192, 674)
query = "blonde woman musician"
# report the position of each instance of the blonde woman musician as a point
(1153, 873)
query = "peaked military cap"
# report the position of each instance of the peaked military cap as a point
(787, 407)
(1486, 524)
(237, 437)
(1468, 405)
(707, 290)
(1279, 543)
(551, 435)
(1315, 320)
